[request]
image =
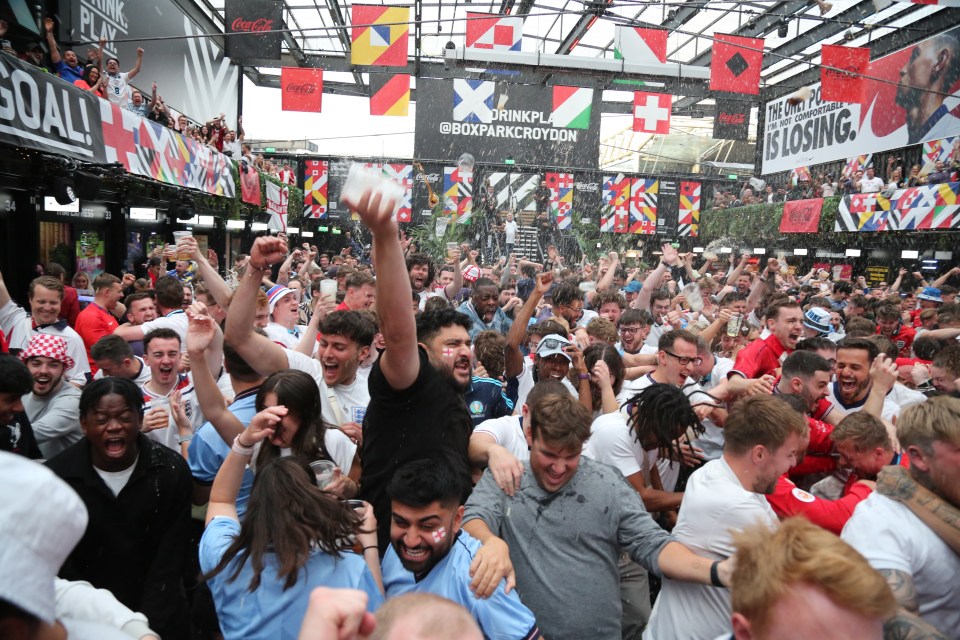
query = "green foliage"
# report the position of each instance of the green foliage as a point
(760, 224)
(425, 237)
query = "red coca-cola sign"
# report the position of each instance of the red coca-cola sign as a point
(301, 88)
(258, 25)
(732, 118)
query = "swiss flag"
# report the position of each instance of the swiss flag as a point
(801, 216)
(301, 89)
(736, 64)
(841, 72)
(651, 112)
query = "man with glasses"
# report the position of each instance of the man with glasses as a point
(568, 304)
(634, 325)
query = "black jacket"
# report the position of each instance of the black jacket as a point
(135, 543)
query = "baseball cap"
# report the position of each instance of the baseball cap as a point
(274, 294)
(633, 287)
(930, 293)
(41, 520)
(817, 319)
(552, 345)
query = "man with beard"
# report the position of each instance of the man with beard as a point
(762, 439)
(864, 445)
(97, 320)
(925, 80)
(853, 387)
(420, 268)
(52, 405)
(484, 310)
(416, 408)
(430, 553)
(764, 357)
(907, 528)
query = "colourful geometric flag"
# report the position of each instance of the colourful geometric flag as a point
(389, 94)
(561, 198)
(651, 112)
(458, 194)
(473, 100)
(616, 204)
(301, 89)
(571, 107)
(841, 72)
(315, 188)
(636, 44)
(736, 64)
(495, 32)
(643, 206)
(379, 35)
(402, 174)
(688, 220)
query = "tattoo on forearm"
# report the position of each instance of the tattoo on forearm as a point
(907, 626)
(901, 583)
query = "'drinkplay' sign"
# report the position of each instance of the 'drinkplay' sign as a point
(553, 126)
(40, 111)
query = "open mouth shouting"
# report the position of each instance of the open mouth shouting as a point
(115, 446)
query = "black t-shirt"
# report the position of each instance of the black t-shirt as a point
(17, 437)
(428, 420)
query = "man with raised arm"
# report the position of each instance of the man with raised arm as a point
(416, 387)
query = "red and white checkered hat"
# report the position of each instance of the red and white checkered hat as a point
(42, 344)
(471, 273)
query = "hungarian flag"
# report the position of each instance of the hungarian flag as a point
(389, 94)
(301, 89)
(651, 112)
(841, 72)
(801, 216)
(736, 64)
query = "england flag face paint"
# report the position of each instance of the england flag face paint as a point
(439, 534)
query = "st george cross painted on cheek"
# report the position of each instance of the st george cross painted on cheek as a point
(447, 351)
(439, 534)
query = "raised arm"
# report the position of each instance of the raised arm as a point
(455, 285)
(611, 273)
(513, 357)
(652, 282)
(215, 284)
(48, 25)
(761, 285)
(400, 362)
(136, 68)
(942, 280)
(264, 355)
(203, 336)
(4, 294)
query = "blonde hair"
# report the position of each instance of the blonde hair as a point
(771, 562)
(865, 431)
(429, 616)
(925, 422)
(763, 420)
(603, 330)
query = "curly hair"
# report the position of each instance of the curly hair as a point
(659, 415)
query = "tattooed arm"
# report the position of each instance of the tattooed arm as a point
(906, 624)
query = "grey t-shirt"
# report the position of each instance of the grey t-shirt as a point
(565, 546)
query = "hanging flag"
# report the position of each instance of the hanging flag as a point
(389, 94)
(731, 120)
(635, 44)
(277, 197)
(473, 100)
(402, 174)
(736, 64)
(301, 89)
(258, 24)
(616, 204)
(458, 194)
(249, 185)
(571, 107)
(801, 216)
(841, 72)
(688, 219)
(643, 206)
(651, 112)
(561, 198)
(379, 35)
(496, 32)
(315, 188)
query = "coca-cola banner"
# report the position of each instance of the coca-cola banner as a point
(908, 97)
(258, 23)
(192, 73)
(732, 120)
(301, 89)
(40, 111)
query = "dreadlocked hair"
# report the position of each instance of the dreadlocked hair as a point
(659, 415)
